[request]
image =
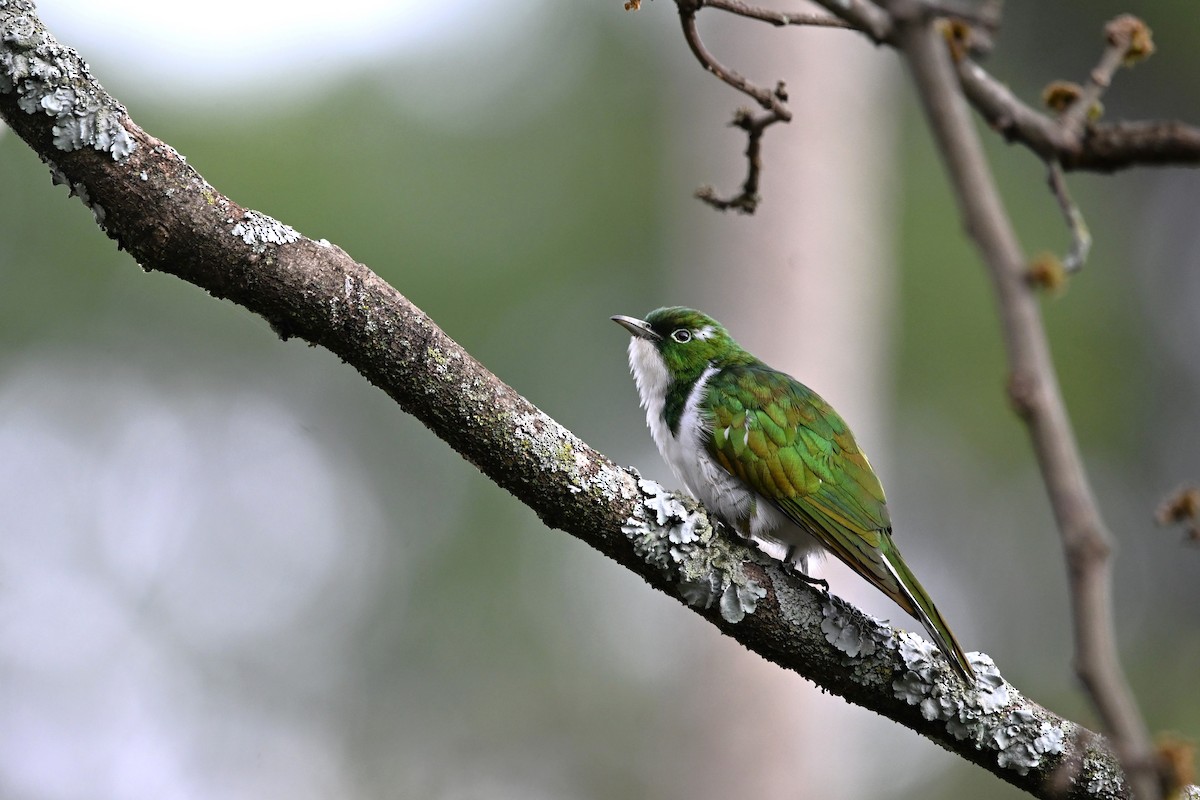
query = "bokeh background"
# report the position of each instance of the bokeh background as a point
(229, 568)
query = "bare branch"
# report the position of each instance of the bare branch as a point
(1036, 395)
(1081, 238)
(862, 15)
(773, 101)
(777, 18)
(760, 94)
(1119, 145)
(1075, 145)
(1069, 141)
(1074, 140)
(747, 201)
(1128, 38)
(985, 14)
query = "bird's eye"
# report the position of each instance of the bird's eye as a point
(683, 336)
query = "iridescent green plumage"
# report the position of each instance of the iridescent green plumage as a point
(787, 444)
(780, 441)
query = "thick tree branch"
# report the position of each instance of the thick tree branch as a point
(1035, 393)
(169, 218)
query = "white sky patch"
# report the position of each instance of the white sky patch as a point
(213, 44)
(452, 62)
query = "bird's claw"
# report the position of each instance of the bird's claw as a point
(792, 563)
(816, 583)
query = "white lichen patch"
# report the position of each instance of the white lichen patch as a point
(259, 231)
(800, 608)
(1098, 775)
(52, 79)
(557, 450)
(991, 714)
(672, 532)
(856, 634)
(553, 446)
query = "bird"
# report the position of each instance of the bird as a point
(770, 457)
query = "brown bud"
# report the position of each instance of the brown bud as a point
(1059, 95)
(1178, 758)
(1046, 271)
(958, 36)
(1134, 35)
(1182, 506)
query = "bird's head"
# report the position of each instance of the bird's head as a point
(683, 340)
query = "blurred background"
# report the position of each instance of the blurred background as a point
(229, 568)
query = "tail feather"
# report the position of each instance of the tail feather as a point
(913, 598)
(873, 556)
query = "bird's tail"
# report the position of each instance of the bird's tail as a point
(913, 599)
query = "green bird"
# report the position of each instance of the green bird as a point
(770, 457)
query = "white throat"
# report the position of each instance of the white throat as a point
(682, 449)
(652, 379)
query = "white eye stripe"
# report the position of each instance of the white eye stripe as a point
(705, 333)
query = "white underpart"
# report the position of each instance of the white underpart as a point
(687, 457)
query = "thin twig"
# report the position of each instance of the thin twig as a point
(1081, 237)
(1126, 35)
(1072, 139)
(748, 199)
(773, 101)
(1036, 395)
(862, 15)
(777, 18)
(985, 15)
(1099, 79)
(760, 94)
(1102, 147)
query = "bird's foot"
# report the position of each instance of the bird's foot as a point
(816, 583)
(792, 564)
(734, 531)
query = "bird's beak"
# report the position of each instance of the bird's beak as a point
(638, 327)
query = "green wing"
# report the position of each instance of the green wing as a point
(786, 443)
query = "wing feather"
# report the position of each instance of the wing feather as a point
(794, 450)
